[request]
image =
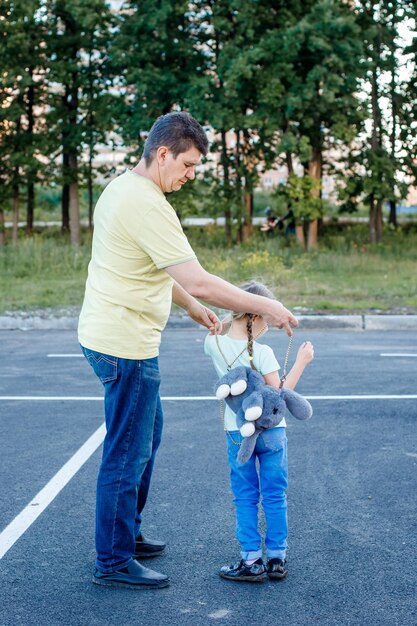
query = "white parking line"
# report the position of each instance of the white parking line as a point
(406, 354)
(81, 356)
(205, 398)
(59, 356)
(38, 504)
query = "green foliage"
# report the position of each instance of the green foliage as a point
(300, 194)
(278, 82)
(80, 111)
(155, 55)
(313, 97)
(381, 165)
(22, 88)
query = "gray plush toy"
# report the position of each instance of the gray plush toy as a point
(258, 406)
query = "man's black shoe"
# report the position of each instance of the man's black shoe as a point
(147, 548)
(133, 576)
(277, 568)
(255, 573)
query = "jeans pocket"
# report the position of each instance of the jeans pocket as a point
(104, 365)
(274, 438)
(150, 369)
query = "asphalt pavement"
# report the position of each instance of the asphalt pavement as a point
(352, 504)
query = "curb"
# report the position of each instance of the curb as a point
(306, 322)
(393, 322)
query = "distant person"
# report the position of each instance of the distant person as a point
(141, 262)
(270, 223)
(290, 227)
(236, 348)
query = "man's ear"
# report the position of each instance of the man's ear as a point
(161, 154)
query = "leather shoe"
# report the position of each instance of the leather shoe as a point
(277, 568)
(133, 576)
(255, 573)
(147, 548)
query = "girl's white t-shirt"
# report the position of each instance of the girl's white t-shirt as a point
(263, 359)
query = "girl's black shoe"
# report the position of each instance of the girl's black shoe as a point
(277, 568)
(255, 573)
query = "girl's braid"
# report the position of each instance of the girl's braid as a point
(250, 339)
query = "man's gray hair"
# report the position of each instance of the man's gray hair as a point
(179, 132)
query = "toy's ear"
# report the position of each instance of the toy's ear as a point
(297, 405)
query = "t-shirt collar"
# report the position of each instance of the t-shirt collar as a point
(147, 181)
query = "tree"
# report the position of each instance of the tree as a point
(300, 196)
(22, 91)
(78, 104)
(312, 94)
(408, 117)
(228, 99)
(154, 55)
(379, 161)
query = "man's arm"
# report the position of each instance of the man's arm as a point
(214, 290)
(198, 312)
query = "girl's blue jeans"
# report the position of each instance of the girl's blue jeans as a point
(271, 483)
(134, 422)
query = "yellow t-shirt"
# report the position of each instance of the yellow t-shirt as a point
(128, 293)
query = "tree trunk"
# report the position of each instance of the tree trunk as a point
(299, 234)
(315, 172)
(90, 199)
(91, 144)
(226, 181)
(372, 220)
(375, 219)
(2, 228)
(16, 178)
(31, 173)
(74, 206)
(247, 225)
(393, 213)
(30, 207)
(70, 207)
(239, 211)
(65, 193)
(15, 219)
(290, 166)
(375, 204)
(312, 234)
(393, 89)
(379, 220)
(248, 167)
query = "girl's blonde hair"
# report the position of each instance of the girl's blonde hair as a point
(258, 289)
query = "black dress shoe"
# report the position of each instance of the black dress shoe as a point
(255, 573)
(146, 548)
(133, 576)
(277, 568)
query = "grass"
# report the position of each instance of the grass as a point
(344, 274)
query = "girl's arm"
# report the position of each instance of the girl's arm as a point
(304, 356)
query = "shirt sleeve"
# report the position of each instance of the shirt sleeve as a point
(267, 361)
(162, 237)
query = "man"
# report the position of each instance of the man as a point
(141, 261)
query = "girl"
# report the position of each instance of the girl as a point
(239, 347)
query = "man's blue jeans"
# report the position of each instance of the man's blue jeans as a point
(134, 422)
(247, 486)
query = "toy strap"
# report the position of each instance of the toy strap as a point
(284, 369)
(229, 365)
